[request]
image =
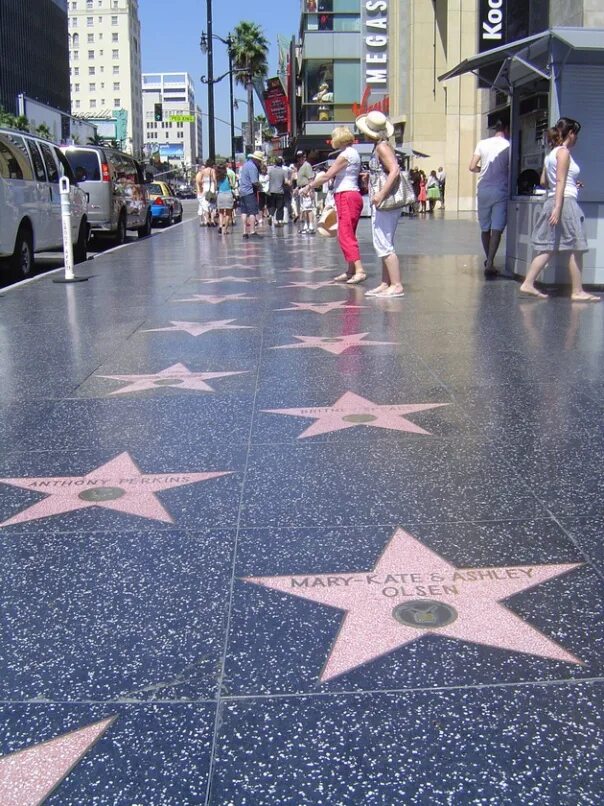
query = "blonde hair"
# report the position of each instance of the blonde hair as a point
(341, 137)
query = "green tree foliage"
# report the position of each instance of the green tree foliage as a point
(250, 51)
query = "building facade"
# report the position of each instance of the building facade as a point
(105, 67)
(175, 136)
(34, 55)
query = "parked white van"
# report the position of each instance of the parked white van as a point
(30, 203)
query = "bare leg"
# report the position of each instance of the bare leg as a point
(575, 267)
(540, 261)
(391, 271)
(494, 241)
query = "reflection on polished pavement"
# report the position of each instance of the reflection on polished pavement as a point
(324, 549)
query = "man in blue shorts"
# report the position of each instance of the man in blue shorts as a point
(491, 159)
(249, 179)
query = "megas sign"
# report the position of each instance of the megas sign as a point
(374, 65)
(491, 24)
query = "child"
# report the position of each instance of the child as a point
(307, 212)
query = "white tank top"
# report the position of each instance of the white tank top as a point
(348, 177)
(570, 189)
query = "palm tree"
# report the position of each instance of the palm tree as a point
(96, 140)
(250, 51)
(43, 131)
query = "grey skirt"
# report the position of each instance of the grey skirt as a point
(567, 236)
(225, 201)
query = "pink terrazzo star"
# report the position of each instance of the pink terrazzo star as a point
(413, 592)
(215, 299)
(351, 410)
(311, 286)
(321, 307)
(199, 328)
(118, 485)
(29, 776)
(335, 345)
(177, 376)
(230, 279)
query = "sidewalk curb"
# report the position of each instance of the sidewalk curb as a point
(30, 280)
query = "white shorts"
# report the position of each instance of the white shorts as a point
(383, 229)
(492, 209)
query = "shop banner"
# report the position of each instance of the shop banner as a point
(492, 28)
(276, 105)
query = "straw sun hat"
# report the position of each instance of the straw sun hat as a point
(375, 125)
(327, 225)
(257, 155)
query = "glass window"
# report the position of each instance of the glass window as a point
(91, 71)
(76, 55)
(347, 22)
(116, 85)
(347, 81)
(116, 102)
(114, 20)
(89, 21)
(92, 87)
(84, 164)
(93, 104)
(91, 54)
(75, 40)
(115, 37)
(90, 38)
(116, 69)
(115, 54)
(76, 71)
(14, 158)
(36, 159)
(49, 162)
(64, 167)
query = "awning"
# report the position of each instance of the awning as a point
(536, 54)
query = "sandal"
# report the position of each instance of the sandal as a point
(375, 291)
(342, 278)
(389, 293)
(356, 278)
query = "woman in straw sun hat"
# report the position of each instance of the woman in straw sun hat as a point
(378, 128)
(349, 202)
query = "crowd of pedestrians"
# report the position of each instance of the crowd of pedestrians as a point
(273, 195)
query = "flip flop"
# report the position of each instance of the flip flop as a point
(357, 278)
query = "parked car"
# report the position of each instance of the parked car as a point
(186, 192)
(165, 206)
(114, 181)
(30, 202)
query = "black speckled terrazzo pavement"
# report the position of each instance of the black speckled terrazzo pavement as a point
(274, 542)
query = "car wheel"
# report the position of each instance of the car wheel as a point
(22, 260)
(144, 231)
(121, 231)
(170, 220)
(179, 218)
(80, 247)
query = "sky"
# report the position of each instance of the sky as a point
(170, 33)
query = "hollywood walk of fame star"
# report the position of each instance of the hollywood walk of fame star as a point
(351, 410)
(413, 592)
(215, 299)
(311, 286)
(29, 776)
(230, 279)
(177, 376)
(118, 484)
(199, 328)
(335, 345)
(242, 266)
(321, 307)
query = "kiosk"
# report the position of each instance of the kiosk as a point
(554, 73)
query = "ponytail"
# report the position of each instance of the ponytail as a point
(558, 133)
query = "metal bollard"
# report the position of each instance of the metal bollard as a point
(69, 277)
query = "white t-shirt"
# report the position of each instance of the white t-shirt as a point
(494, 153)
(348, 177)
(551, 165)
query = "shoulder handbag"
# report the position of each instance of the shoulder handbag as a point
(401, 194)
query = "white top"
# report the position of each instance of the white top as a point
(494, 153)
(348, 177)
(570, 189)
(264, 183)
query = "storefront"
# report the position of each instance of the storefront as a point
(558, 72)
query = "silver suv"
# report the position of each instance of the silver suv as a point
(115, 183)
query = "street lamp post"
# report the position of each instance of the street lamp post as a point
(206, 46)
(211, 132)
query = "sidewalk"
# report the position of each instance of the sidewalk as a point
(266, 541)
